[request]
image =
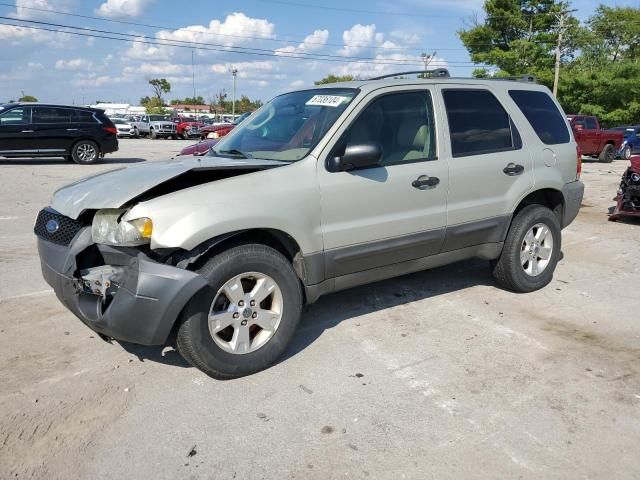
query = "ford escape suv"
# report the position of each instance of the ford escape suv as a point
(320, 190)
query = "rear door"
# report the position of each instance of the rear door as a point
(489, 168)
(16, 132)
(52, 129)
(395, 212)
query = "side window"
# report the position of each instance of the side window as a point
(579, 122)
(16, 116)
(402, 123)
(51, 115)
(543, 115)
(478, 124)
(82, 116)
(590, 123)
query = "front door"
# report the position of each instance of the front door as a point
(16, 134)
(490, 170)
(397, 211)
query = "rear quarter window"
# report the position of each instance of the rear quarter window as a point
(543, 115)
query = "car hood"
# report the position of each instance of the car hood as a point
(115, 188)
(199, 148)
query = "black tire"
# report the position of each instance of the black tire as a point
(508, 269)
(193, 338)
(152, 134)
(607, 154)
(80, 152)
(185, 135)
(626, 152)
(136, 133)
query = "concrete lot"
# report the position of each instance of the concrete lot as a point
(434, 375)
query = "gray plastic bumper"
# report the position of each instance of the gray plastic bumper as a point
(146, 305)
(573, 193)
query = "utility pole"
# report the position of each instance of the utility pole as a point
(234, 72)
(193, 73)
(562, 18)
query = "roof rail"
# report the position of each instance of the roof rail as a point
(516, 78)
(437, 72)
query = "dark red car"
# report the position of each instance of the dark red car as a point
(593, 140)
(187, 127)
(201, 148)
(216, 131)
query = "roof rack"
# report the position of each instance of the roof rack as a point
(516, 78)
(438, 72)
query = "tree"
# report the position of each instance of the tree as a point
(154, 105)
(334, 79)
(144, 100)
(27, 98)
(160, 86)
(188, 101)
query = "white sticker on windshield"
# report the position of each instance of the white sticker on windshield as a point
(327, 100)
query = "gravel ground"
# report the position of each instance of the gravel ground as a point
(434, 375)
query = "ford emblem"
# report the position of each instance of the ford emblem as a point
(52, 226)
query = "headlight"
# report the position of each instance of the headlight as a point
(109, 229)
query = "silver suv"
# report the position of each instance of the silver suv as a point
(320, 190)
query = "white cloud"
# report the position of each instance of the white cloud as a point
(30, 9)
(386, 65)
(123, 8)
(314, 42)
(34, 66)
(244, 68)
(34, 9)
(75, 65)
(297, 84)
(359, 37)
(156, 69)
(405, 37)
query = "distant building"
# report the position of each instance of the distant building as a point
(191, 108)
(119, 108)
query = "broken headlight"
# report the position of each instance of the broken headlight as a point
(108, 228)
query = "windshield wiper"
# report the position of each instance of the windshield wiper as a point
(234, 151)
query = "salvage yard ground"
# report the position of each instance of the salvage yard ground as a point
(433, 375)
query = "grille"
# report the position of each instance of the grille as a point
(66, 231)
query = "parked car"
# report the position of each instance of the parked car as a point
(187, 127)
(215, 131)
(123, 127)
(201, 148)
(631, 141)
(320, 190)
(83, 135)
(628, 195)
(154, 126)
(593, 140)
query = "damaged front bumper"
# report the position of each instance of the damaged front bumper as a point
(119, 293)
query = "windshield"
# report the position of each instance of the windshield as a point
(288, 127)
(158, 118)
(118, 121)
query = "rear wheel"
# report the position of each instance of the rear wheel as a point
(136, 133)
(626, 152)
(85, 152)
(531, 250)
(153, 135)
(245, 322)
(607, 154)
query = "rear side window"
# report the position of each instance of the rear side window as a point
(83, 116)
(543, 115)
(591, 123)
(478, 123)
(51, 115)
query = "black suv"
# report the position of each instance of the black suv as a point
(83, 135)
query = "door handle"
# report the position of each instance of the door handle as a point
(425, 182)
(27, 131)
(512, 169)
(72, 129)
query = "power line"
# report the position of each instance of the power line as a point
(171, 43)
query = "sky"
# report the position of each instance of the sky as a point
(275, 45)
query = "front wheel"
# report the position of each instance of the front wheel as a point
(531, 250)
(607, 154)
(153, 135)
(247, 319)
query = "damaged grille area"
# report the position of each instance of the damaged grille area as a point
(56, 228)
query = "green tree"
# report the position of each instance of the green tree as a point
(144, 100)
(27, 98)
(188, 101)
(334, 79)
(160, 86)
(155, 106)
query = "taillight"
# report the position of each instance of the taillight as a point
(113, 130)
(578, 162)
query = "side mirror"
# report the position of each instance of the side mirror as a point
(356, 156)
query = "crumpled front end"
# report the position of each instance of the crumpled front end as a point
(117, 292)
(628, 197)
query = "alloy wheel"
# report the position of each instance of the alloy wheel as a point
(86, 152)
(536, 250)
(245, 313)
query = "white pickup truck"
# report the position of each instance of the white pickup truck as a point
(154, 126)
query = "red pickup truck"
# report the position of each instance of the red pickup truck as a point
(594, 141)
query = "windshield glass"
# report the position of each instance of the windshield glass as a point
(158, 118)
(288, 127)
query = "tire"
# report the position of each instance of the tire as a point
(152, 134)
(85, 152)
(185, 135)
(136, 133)
(607, 154)
(216, 354)
(626, 153)
(510, 269)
